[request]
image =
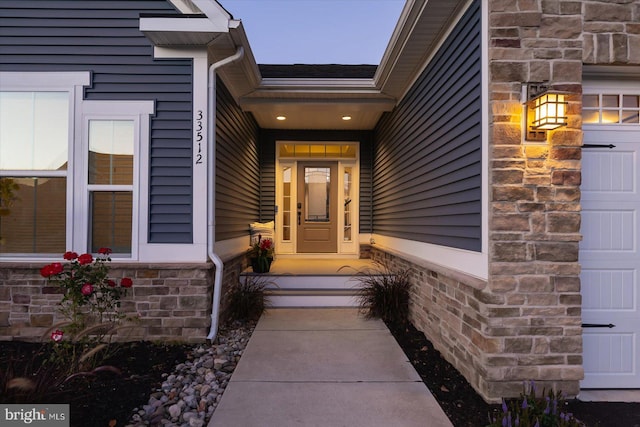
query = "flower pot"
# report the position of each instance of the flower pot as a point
(261, 264)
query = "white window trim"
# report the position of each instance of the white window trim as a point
(72, 83)
(80, 111)
(138, 112)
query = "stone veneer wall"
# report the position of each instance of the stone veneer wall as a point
(172, 301)
(534, 320)
(450, 308)
(524, 323)
(611, 32)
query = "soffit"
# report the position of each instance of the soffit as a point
(319, 103)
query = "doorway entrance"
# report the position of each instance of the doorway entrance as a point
(315, 185)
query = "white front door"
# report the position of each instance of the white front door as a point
(610, 253)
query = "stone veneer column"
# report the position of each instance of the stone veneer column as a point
(534, 223)
(611, 32)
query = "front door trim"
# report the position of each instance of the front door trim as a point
(348, 242)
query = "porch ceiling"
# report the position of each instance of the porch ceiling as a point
(320, 103)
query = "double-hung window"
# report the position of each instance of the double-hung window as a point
(69, 172)
(110, 184)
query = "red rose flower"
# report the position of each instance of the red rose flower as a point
(57, 268)
(70, 256)
(46, 271)
(57, 335)
(126, 282)
(85, 259)
(51, 269)
(87, 289)
(111, 283)
(105, 251)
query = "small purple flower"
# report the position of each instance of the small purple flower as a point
(524, 403)
(537, 424)
(504, 406)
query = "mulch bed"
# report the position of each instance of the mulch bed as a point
(107, 399)
(102, 399)
(465, 408)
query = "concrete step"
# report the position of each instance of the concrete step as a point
(312, 282)
(312, 298)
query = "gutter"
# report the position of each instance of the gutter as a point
(211, 186)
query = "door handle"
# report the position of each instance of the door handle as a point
(299, 215)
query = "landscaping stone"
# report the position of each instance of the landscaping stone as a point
(190, 394)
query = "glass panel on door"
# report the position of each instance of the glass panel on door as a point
(317, 182)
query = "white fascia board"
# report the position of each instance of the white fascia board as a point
(216, 13)
(185, 6)
(322, 83)
(185, 25)
(182, 52)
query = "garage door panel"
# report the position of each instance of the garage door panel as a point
(612, 353)
(610, 359)
(609, 171)
(609, 230)
(609, 289)
(610, 257)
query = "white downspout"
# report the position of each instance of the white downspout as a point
(211, 187)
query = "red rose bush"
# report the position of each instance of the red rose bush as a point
(88, 295)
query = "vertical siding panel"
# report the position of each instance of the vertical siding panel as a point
(427, 156)
(103, 37)
(237, 168)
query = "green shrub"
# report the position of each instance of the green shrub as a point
(384, 294)
(547, 410)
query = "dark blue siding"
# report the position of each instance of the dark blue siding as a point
(103, 37)
(237, 168)
(427, 157)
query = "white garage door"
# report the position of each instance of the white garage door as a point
(609, 251)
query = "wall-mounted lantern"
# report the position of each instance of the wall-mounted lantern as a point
(544, 110)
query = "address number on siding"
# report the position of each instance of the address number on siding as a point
(199, 137)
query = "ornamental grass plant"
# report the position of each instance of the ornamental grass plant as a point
(246, 300)
(384, 293)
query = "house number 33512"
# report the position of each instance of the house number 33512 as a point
(199, 137)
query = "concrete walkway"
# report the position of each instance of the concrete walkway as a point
(325, 368)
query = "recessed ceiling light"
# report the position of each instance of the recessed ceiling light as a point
(281, 118)
(346, 117)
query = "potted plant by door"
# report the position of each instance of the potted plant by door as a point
(261, 255)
